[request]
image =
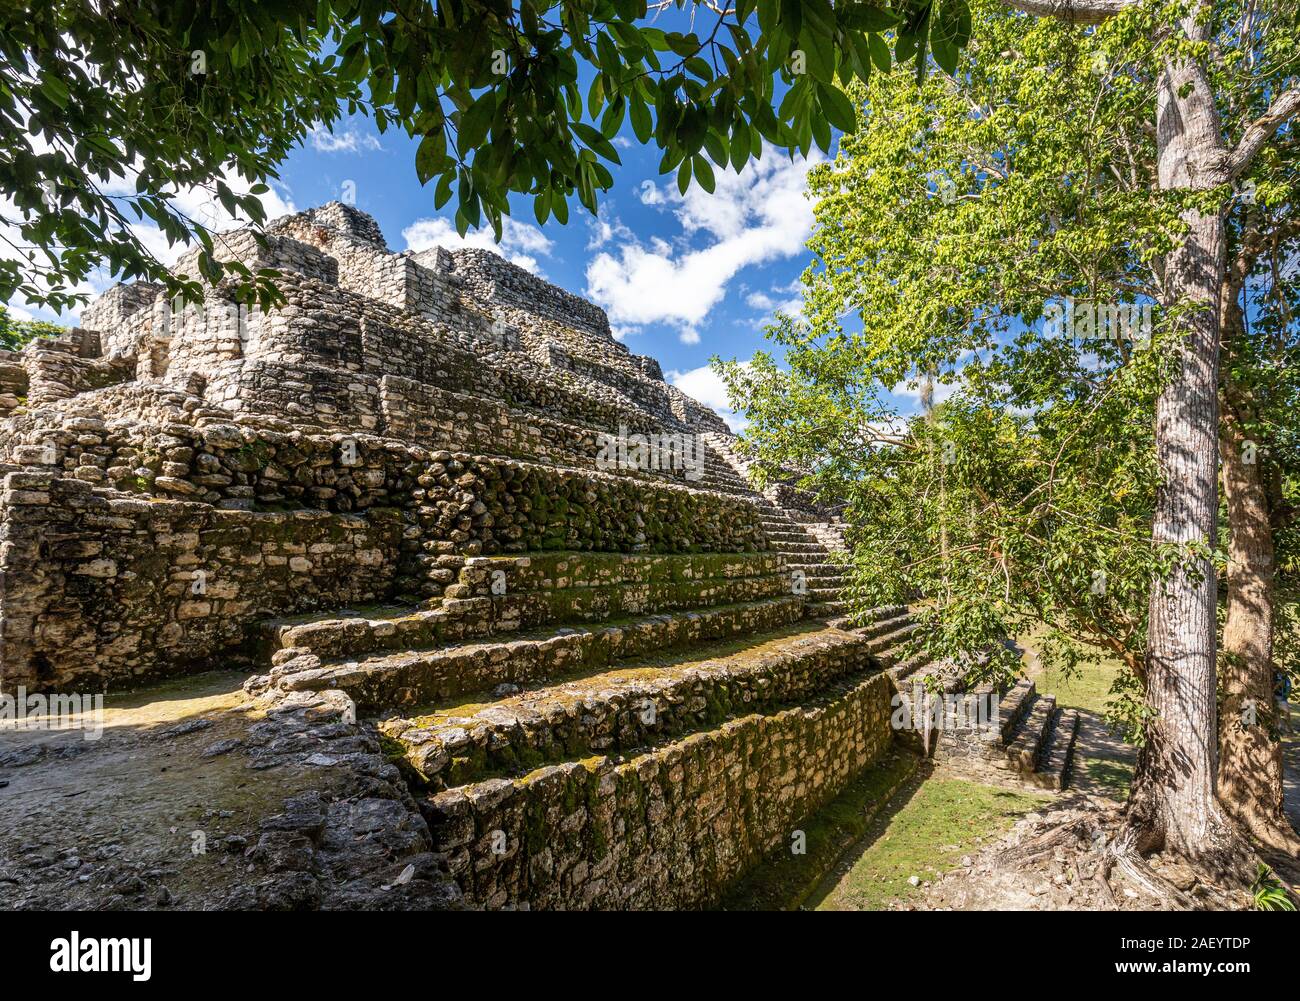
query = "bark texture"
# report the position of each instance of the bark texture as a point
(1173, 804)
(1250, 783)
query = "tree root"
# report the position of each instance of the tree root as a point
(1102, 876)
(1123, 855)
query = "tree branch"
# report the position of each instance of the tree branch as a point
(1261, 130)
(1072, 11)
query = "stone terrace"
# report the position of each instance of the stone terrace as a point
(606, 685)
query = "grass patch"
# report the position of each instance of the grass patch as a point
(1112, 778)
(1087, 689)
(783, 880)
(942, 821)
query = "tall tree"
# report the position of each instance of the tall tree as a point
(1174, 803)
(1040, 187)
(1259, 392)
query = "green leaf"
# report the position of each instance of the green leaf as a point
(703, 173)
(819, 52)
(642, 126)
(55, 90)
(837, 108)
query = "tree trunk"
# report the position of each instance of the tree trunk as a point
(1173, 804)
(1250, 755)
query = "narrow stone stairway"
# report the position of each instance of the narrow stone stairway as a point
(794, 533)
(1030, 741)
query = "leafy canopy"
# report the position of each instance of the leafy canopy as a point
(16, 333)
(944, 229)
(106, 108)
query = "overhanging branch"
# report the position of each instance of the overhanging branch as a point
(1284, 106)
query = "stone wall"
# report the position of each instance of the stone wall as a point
(114, 315)
(13, 381)
(448, 397)
(669, 829)
(59, 368)
(490, 279)
(101, 591)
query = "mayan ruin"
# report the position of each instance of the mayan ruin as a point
(577, 672)
(473, 461)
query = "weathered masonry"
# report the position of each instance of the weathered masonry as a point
(435, 484)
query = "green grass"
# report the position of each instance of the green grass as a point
(942, 820)
(1112, 777)
(1087, 689)
(784, 880)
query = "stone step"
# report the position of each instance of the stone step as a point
(669, 827)
(707, 482)
(789, 533)
(887, 647)
(818, 568)
(1013, 706)
(629, 705)
(1022, 752)
(826, 609)
(887, 619)
(869, 619)
(540, 590)
(1056, 757)
(725, 473)
(813, 579)
(423, 676)
(908, 672)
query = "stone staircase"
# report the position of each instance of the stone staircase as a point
(590, 729)
(808, 545)
(1031, 740)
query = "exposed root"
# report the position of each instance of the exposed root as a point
(1122, 853)
(1102, 877)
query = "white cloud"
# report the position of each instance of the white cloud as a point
(760, 215)
(605, 228)
(689, 336)
(706, 385)
(521, 242)
(345, 140)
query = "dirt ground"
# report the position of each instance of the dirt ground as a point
(194, 796)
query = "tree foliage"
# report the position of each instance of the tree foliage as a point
(947, 230)
(14, 334)
(106, 108)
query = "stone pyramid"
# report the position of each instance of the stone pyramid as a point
(433, 485)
